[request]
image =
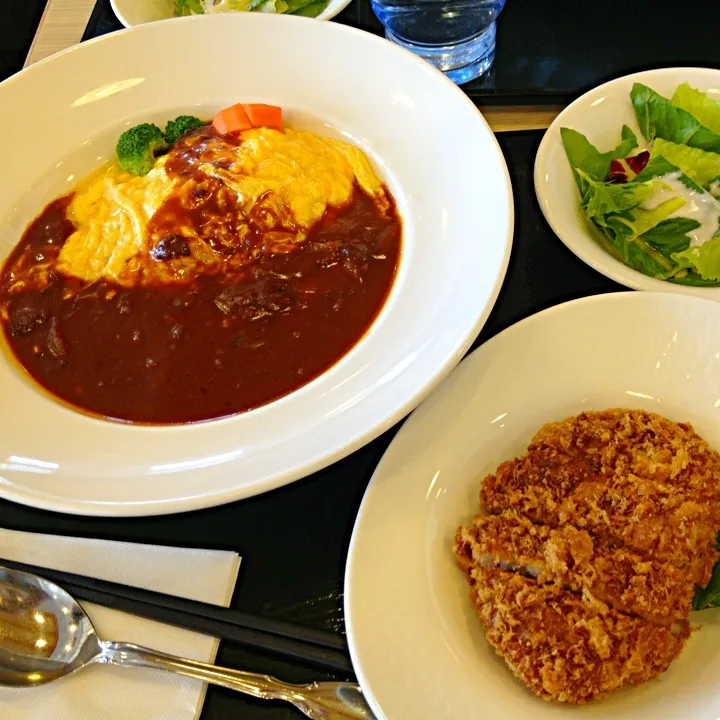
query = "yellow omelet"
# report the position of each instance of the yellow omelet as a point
(111, 210)
(292, 176)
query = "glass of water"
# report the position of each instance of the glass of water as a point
(456, 36)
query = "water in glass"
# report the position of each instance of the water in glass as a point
(457, 36)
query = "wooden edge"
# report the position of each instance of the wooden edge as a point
(62, 25)
(507, 118)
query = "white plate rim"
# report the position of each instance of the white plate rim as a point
(353, 588)
(183, 504)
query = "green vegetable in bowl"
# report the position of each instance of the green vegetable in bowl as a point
(701, 166)
(657, 210)
(709, 596)
(189, 7)
(699, 105)
(176, 128)
(583, 155)
(308, 8)
(137, 147)
(659, 117)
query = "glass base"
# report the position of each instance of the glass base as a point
(461, 62)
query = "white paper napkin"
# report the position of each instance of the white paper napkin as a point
(114, 693)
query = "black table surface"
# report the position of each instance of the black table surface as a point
(294, 540)
(547, 50)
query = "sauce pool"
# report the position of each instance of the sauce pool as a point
(186, 353)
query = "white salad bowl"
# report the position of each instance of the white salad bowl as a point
(139, 12)
(429, 143)
(600, 115)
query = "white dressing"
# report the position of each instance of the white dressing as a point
(699, 206)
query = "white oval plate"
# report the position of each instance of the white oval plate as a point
(430, 143)
(139, 12)
(417, 647)
(600, 115)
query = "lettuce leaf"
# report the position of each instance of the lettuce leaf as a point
(709, 596)
(637, 223)
(698, 104)
(311, 9)
(703, 259)
(615, 210)
(670, 236)
(643, 221)
(632, 250)
(701, 166)
(602, 198)
(645, 240)
(656, 167)
(584, 156)
(659, 166)
(658, 117)
(692, 278)
(272, 6)
(267, 6)
(188, 7)
(235, 5)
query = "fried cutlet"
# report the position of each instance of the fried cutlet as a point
(566, 647)
(573, 559)
(629, 476)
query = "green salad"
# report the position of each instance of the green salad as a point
(308, 8)
(657, 203)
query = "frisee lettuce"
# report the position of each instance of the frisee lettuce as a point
(699, 105)
(701, 166)
(601, 198)
(703, 259)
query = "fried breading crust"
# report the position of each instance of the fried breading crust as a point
(630, 476)
(571, 558)
(564, 647)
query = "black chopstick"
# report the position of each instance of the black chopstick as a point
(318, 647)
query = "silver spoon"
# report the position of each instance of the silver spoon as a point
(46, 635)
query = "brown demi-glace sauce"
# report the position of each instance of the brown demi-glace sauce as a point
(218, 345)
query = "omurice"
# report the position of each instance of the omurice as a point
(206, 270)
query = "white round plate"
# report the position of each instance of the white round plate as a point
(417, 647)
(600, 115)
(428, 141)
(139, 12)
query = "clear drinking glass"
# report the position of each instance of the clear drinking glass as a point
(456, 36)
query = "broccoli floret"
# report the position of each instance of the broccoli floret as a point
(176, 128)
(137, 147)
(189, 7)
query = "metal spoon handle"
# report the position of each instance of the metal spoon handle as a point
(322, 701)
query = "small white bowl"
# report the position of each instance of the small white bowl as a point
(139, 12)
(600, 114)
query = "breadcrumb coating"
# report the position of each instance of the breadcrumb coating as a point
(568, 648)
(633, 477)
(572, 559)
(585, 557)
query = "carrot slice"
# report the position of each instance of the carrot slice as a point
(260, 115)
(233, 119)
